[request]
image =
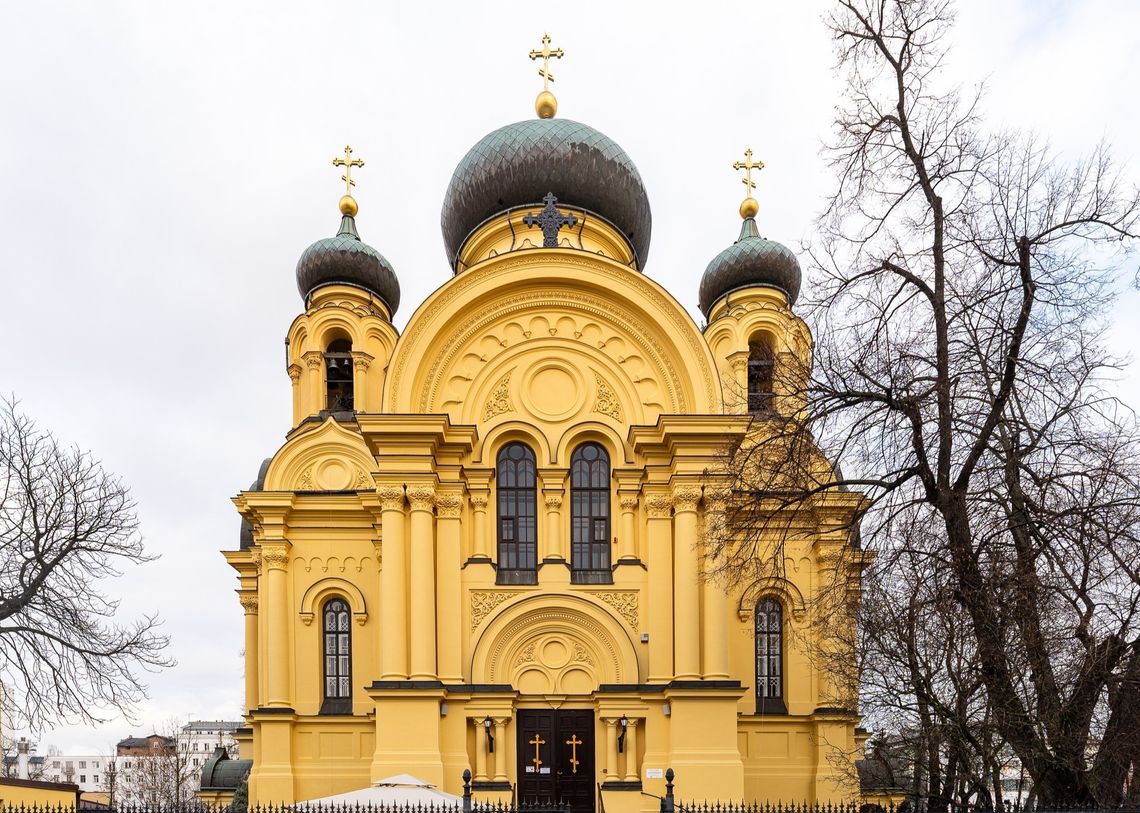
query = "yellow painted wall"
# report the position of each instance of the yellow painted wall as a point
(396, 514)
(16, 792)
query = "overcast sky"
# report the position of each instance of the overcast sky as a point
(163, 165)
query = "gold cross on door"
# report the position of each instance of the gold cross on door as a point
(536, 742)
(574, 742)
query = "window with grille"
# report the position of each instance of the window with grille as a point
(590, 515)
(515, 496)
(338, 658)
(769, 657)
(761, 369)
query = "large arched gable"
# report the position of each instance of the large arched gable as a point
(553, 338)
(328, 458)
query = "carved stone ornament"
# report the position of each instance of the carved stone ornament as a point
(275, 558)
(363, 481)
(305, 483)
(248, 602)
(527, 654)
(606, 402)
(361, 360)
(685, 498)
(581, 655)
(483, 602)
(553, 501)
(624, 601)
(479, 500)
(294, 371)
(658, 505)
(315, 359)
(421, 496)
(499, 401)
(629, 502)
(255, 558)
(391, 497)
(449, 505)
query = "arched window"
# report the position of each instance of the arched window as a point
(761, 370)
(338, 376)
(769, 657)
(590, 515)
(338, 658)
(515, 492)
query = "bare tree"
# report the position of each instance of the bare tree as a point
(960, 373)
(65, 525)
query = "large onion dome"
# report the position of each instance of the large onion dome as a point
(749, 262)
(347, 260)
(518, 165)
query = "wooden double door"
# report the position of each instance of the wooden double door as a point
(556, 758)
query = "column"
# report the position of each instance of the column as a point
(360, 395)
(552, 547)
(501, 748)
(480, 750)
(249, 604)
(627, 544)
(739, 396)
(421, 497)
(714, 600)
(275, 559)
(686, 586)
(632, 774)
(393, 585)
(315, 362)
(448, 507)
(479, 549)
(611, 749)
(660, 552)
(294, 371)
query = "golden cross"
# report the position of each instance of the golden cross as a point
(748, 165)
(574, 742)
(348, 162)
(537, 741)
(545, 54)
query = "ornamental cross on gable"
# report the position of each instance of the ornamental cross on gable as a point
(550, 220)
(545, 55)
(348, 162)
(748, 165)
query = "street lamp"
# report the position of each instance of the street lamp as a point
(624, 723)
(487, 723)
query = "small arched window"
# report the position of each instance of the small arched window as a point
(761, 371)
(770, 657)
(515, 493)
(590, 515)
(338, 376)
(338, 657)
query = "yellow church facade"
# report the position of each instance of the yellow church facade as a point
(482, 544)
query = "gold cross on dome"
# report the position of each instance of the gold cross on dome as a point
(348, 162)
(748, 165)
(545, 55)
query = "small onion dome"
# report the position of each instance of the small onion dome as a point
(346, 260)
(751, 261)
(518, 165)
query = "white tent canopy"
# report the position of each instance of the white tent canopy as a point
(395, 791)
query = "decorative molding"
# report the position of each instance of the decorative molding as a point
(624, 601)
(483, 602)
(582, 655)
(658, 505)
(479, 500)
(527, 654)
(294, 371)
(313, 359)
(275, 558)
(391, 497)
(553, 501)
(449, 505)
(248, 602)
(421, 496)
(361, 360)
(305, 482)
(499, 401)
(364, 481)
(629, 502)
(606, 401)
(686, 498)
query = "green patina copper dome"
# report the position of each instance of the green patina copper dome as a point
(751, 261)
(518, 165)
(347, 260)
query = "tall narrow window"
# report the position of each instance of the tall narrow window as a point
(590, 515)
(338, 658)
(515, 492)
(338, 376)
(769, 657)
(761, 369)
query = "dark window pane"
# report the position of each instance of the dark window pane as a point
(590, 511)
(769, 649)
(515, 498)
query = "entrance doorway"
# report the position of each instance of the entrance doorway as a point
(556, 758)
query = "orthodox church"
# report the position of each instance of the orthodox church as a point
(481, 544)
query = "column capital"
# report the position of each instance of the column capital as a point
(361, 360)
(313, 358)
(658, 503)
(391, 497)
(479, 500)
(553, 501)
(449, 503)
(686, 497)
(275, 557)
(248, 602)
(421, 496)
(628, 501)
(294, 371)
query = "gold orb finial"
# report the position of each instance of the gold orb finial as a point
(546, 105)
(749, 207)
(348, 204)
